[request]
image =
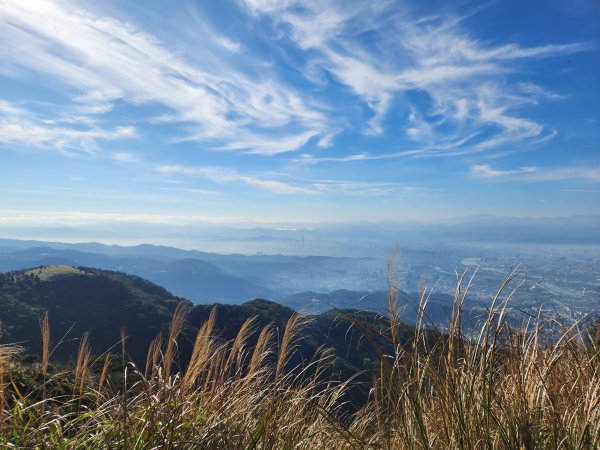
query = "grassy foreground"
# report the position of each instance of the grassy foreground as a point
(502, 388)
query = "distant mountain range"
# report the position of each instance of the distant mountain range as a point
(205, 280)
(357, 239)
(315, 284)
(202, 277)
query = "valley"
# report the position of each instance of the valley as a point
(551, 281)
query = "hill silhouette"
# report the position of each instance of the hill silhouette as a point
(80, 300)
(196, 279)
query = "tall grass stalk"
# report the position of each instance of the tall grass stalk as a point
(7, 353)
(45, 329)
(503, 388)
(499, 387)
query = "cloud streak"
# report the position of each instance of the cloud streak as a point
(463, 78)
(108, 61)
(349, 188)
(537, 174)
(220, 175)
(19, 126)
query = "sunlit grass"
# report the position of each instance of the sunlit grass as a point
(503, 388)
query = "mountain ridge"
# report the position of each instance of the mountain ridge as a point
(202, 277)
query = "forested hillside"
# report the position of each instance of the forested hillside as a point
(103, 303)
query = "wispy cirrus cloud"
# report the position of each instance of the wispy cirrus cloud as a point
(221, 175)
(487, 171)
(439, 150)
(352, 188)
(195, 191)
(106, 61)
(19, 126)
(537, 174)
(271, 146)
(267, 182)
(463, 78)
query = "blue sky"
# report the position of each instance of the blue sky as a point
(297, 111)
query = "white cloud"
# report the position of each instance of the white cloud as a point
(270, 146)
(126, 157)
(228, 44)
(486, 171)
(19, 126)
(584, 173)
(11, 110)
(104, 61)
(538, 174)
(196, 191)
(274, 186)
(463, 77)
(351, 188)
(439, 150)
(107, 60)
(327, 139)
(219, 175)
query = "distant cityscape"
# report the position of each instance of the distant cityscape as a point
(560, 281)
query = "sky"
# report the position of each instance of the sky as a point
(292, 111)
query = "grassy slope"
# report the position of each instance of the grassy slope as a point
(503, 389)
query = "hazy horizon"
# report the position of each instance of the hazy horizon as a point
(358, 238)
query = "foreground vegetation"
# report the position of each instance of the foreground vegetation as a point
(501, 388)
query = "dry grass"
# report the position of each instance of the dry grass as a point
(45, 328)
(505, 388)
(7, 352)
(48, 272)
(501, 389)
